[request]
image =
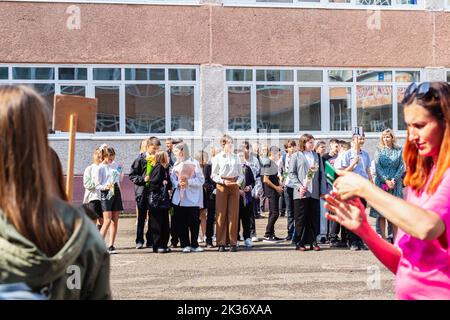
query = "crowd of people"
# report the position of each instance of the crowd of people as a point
(42, 236)
(187, 200)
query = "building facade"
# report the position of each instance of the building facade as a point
(195, 69)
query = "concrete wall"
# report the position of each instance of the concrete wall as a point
(213, 34)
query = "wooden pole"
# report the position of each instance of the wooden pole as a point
(71, 158)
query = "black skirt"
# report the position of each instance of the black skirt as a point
(114, 203)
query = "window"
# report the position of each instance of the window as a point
(340, 108)
(400, 116)
(182, 74)
(374, 107)
(340, 75)
(25, 73)
(325, 3)
(144, 74)
(239, 75)
(3, 73)
(145, 108)
(274, 75)
(107, 74)
(310, 75)
(275, 108)
(72, 73)
(239, 108)
(310, 104)
(108, 108)
(182, 108)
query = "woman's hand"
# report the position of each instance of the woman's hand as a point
(302, 191)
(349, 185)
(351, 213)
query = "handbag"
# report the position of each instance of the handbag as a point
(159, 199)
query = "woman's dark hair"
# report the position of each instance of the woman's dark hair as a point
(57, 173)
(107, 151)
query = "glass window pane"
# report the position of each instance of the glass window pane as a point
(74, 90)
(239, 108)
(448, 74)
(47, 91)
(275, 108)
(310, 103)
(340, 109)
(239, 75)
(182, 108)
(182, 74)
(276, 1)
(26, 73)
(400, 116)
(144, 74)
(374, 107)
(407, 76)
(3, 73)
(374, 2)
(373, 76)
(340, 75)
(274, 75)
(107, 108)
(339, 1)
(145, 108)
(107, 74)
(310, 75)
(72, 73)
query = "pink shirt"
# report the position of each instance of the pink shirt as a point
(424, 268)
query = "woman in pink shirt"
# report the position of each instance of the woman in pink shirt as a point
(420, 256)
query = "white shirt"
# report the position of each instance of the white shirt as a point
(310, 157)
(226, 166)
(287, 160)
(193, 194)
(108, 174)
(90, 193)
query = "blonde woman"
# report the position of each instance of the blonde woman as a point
(389, 168)
(91, 195)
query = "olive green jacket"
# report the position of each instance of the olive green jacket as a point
(80, 270)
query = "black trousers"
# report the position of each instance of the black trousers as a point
(245, 214)
(289, 199)
(160, 228)
(305, 211)
(174, 238)
(351, 237)
(143, 207)
(274, 213)
(187, 221)
(253, 215)
(210, 219)
(334, 232)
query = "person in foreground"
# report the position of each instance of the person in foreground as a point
(420, 255)
(45, 243)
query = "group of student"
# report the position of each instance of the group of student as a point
(178, 196)
(42, 236)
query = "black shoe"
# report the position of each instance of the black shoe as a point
(272, 239)
(112, 250)
(362, 246)
(149, 245)
(354, 246)
(233, 249)
(222, 249)
(209, 244)
(323, 240)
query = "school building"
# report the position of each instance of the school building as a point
(255, 69)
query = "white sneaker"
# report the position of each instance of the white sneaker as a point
(248, 243)
(214, 238)
(187, 249)
(255, 239)
(237, 243)
(200, 240)
(198, 249)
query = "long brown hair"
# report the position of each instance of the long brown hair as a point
(419, 167)
(26, 185)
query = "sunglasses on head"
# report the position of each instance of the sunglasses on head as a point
(422, 90)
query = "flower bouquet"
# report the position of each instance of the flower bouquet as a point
(150, 165)
(185, 171)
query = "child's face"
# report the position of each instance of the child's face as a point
(109, 158)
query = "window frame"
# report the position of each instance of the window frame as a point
(90, 85)
(325, 86)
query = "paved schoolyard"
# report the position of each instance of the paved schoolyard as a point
(267, 271)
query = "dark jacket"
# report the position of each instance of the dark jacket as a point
(85, 251)
(137, 175)
(209, 184)
(157, 176)
(249, 180)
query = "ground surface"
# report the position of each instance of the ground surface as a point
(267, 271)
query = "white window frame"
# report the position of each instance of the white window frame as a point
(325, 86)
(325, 4)
(90, 85)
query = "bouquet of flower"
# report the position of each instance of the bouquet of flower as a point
(150, 165)
(113, 179)
(310, 175)
(185, 171)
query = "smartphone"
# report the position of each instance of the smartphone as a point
(330, 173)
